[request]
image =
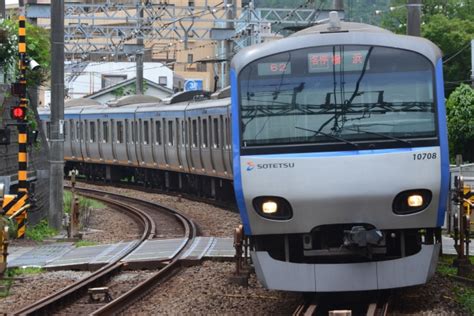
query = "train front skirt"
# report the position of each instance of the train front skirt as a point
(301, 277)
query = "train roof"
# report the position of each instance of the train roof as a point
(350, 33)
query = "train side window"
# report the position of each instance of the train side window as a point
(170, 133)
(194, 132)
(134, 131)
(119, 132)
(92, 132)
(215, 125)
(204, 133)
(146, 132)
(78, 131)
(127, 131)
(227, 132)
(183, 132)
(178, 132)
(71, 129)
(158, 132)
(105, 132)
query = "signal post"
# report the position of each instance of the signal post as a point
(15, 206)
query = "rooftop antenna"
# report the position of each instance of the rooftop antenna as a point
(334, 22)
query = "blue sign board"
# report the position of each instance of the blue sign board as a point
(192, 85)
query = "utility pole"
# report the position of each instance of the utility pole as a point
(227, 49)
(57, 115)
(472, 63)
(140, 53)
(414, 17)
(2, 9)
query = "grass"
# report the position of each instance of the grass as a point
(40, 231)
(7, 282)
(85, 243)
(84, 203)
(463, 294)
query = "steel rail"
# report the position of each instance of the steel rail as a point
(130, 297)
(50, 303)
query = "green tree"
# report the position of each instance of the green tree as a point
(453, 36)
(460, 114)
(38, 48)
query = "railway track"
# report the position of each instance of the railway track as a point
(345, 304)
(145, 213)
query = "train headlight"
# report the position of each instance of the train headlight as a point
(415, 200)
(269, 207)
(272, 207)
(411, 201)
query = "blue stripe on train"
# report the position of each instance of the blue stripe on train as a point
(239, 194)
(443, 140)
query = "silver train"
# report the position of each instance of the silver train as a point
(173, 145)
(340, 158)
(333, 141)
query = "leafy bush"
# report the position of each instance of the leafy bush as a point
(40, 231)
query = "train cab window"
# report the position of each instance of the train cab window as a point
(146, 132)
(204, 133)
(105, 132)
(92, 132)
(119, 132)
(170, 133)
(158, 132)
(194, 134)
(215, 134)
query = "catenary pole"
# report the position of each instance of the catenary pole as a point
(140, 54)
(57, 115)
(414, 17)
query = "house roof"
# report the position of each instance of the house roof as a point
(126, 83)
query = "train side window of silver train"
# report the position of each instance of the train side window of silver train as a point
(119, 132)
(183, 132)
(178, 132)
(215, 127)
(78, 130)
(127, 132)
(146, 132)
(92, 132)
(170, 133)
(204, 133)
(105, 132)
(134, 132)
(71, 129)
(195, 132)
(158, 132)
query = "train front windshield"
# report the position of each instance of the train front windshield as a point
(346, 96)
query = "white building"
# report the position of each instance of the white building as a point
(87, 79)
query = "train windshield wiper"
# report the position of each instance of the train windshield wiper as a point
(328, 135)
(379, 134)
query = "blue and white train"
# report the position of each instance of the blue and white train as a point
(334, 141)
(340, 158)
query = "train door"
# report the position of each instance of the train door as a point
(159, 141)
(205, 145)
(189, 144)
(179, 141)
(87, 139)
(68, 138)
(101, 138)
(217, 153)
(195, 144)
(113, 139)
(153, 156)
(227, 145)
(182, 150)
(107, 137)
(170, 148)
(128, 141)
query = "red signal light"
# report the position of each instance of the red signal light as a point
(18, 113)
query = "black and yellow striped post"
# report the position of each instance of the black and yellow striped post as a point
(16, 206)
(22, 129)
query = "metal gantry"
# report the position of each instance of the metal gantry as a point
(106, 28)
